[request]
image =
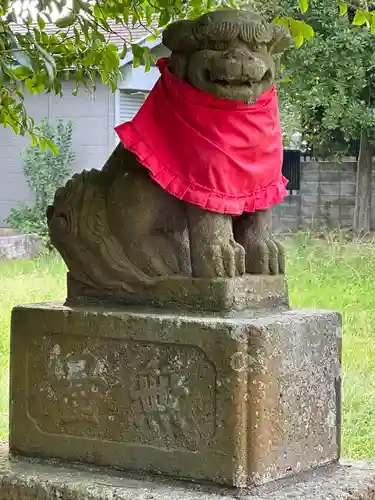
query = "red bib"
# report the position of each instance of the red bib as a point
(222, 155)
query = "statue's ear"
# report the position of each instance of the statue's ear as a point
(179, 37)
(281, 40)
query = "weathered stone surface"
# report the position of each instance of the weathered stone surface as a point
(33, 480)
(235, 400)
(119, 231)
(243, 293)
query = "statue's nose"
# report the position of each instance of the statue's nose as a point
(254, 68)
(238, 66)
(226, 67)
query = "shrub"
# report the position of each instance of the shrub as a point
(45, 172)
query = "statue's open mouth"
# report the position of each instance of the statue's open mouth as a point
(244, 81)
(226, 83)
(245, 90)
(242, 78)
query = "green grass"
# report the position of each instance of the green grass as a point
(341, 276)
(23, 282)
(322, 273)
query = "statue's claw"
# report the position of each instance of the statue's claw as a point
(265, 257)
(221, 260)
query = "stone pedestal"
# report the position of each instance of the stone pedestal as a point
(36, 480)
(234, 400)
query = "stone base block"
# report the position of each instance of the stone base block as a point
(238, 401)
(245, 293)
(33, 480)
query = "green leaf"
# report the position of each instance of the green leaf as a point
(124, 51)
(112, 47)
(373, 23)
(137, 51)
(89, 58)
(38, 35)
(299, 40)
(4, 6)
(51, 145)
(21, 73)
(34, 141)
(147, 59)
(42, 143)
(360, 18)
(45, 38)
(304, 5)
(149, 12)
(49, 62)
(136, 62)
(22, 58)
(343, 8)
(14, 125)
(33, 87)
(29, 85)
(297, 32)
(151, 38)
(41, 22)
(98, 12)
(283, 21)
(307, 31)
(66, 21)
(125, 16)
(39, 88)
(77, 37)
(286, 79)
(164, 17)
(85, 28)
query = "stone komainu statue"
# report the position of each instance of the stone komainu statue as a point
(190, 194)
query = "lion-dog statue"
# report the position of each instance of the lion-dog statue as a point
(118, 229)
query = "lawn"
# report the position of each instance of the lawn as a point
(22, 282)
(326, 273)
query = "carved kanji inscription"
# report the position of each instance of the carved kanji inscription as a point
(134, 392)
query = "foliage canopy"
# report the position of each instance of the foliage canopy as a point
(330, 81)
(43, 42)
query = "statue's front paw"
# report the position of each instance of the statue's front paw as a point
(265, 257)
(219, 260)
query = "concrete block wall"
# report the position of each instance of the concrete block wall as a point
(286, 215)
(325, 199)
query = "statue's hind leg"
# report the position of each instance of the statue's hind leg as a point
(149, 223)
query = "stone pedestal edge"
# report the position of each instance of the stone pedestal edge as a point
(27, 479)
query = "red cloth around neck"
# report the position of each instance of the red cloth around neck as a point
(222, 155)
